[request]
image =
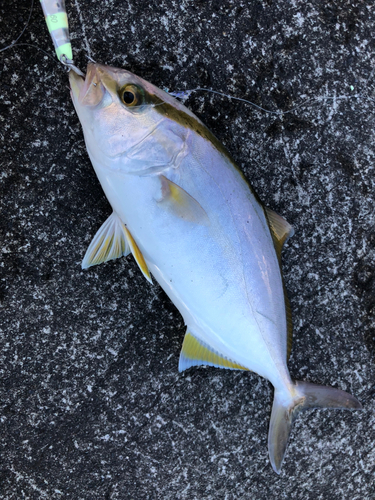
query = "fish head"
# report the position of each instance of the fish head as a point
(129, 125)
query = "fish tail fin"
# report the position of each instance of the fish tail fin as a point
(285, 411)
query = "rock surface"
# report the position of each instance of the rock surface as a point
(92, 405)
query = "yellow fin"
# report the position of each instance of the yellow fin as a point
(194, 352)
(177, 200)
(137, 254)
(281, 230)
(109, 243)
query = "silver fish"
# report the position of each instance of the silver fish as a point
(191, 220)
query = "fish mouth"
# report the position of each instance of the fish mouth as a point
(76, 83)
(86, 91)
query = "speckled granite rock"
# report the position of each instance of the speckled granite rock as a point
(92, 405)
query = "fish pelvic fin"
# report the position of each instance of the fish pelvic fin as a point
(110, 242)
(114, 240)
(284, 413)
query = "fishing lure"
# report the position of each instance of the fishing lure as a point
(58, 27)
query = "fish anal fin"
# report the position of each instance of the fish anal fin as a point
(175, 199)
(137, 254)
(109, 243)
(194, 352)
(281, 230)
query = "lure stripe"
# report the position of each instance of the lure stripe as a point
(52, 6)
(57, 21)
(60, 36)
(64, 50)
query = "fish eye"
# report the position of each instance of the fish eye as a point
(131, 95)
(128, 97)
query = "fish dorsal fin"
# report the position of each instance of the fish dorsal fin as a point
(194, 352)
(113, 240)
(178, 201)
(110, 242)
(137, 254)
(281, 230)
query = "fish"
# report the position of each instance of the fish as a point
(193, 223)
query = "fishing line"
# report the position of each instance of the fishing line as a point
(83, 27)
(179, 94)
(69, 64)
(30, 45)
(23, 44)
(184, 94)
(22, 32)
(63, 60)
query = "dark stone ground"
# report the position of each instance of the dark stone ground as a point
(92, 405)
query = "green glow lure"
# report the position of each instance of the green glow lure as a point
(58, 27)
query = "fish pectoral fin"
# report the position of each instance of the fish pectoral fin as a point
(194, 352)
(137, 254)
(180, 203)
(110, 242)
(281, 230)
